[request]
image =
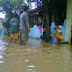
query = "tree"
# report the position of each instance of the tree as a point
(47, 23)
(9, 7)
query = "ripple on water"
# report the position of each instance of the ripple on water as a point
(35, 57)
(31, 66)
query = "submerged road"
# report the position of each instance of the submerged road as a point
(35, 57)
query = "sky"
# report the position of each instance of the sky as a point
(2, 15)
(33, 4)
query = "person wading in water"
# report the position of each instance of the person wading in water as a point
(14, 28)
(24, 26)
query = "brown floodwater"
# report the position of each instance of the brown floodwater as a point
(35, 57)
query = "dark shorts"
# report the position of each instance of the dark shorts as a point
(24, 35)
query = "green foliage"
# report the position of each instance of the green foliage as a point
(8, 6)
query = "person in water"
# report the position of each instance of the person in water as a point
(24, 26)
(44, 30)
(58, 34)
(35, 31)
(14, 28)
(61, 37)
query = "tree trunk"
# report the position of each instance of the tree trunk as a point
(47, 23)
(53, 16)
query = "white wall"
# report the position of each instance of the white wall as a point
(69, 21)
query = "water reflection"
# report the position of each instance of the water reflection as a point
(1, 57)
(30, 70)
(35, 57)
(2, 50)
(31, 66)
(34, 43)
(26, 60)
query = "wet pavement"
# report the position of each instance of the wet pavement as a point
(35, 57)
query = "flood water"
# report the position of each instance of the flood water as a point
(35, 57)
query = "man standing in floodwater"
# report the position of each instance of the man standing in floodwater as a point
(24, 26)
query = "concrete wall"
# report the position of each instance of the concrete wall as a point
(69, 21)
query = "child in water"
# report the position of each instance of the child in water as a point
(61, 37)
(58, 34)
(14, 28)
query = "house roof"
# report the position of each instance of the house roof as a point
(36, 10)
